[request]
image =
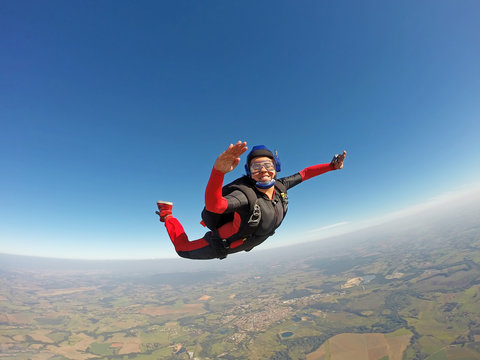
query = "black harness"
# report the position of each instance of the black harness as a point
(251, 217)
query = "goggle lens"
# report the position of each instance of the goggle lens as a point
(257, 167)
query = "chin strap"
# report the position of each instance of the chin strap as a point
(265, 184)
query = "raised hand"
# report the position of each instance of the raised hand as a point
(229, 159)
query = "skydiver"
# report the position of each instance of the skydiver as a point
(244, 213)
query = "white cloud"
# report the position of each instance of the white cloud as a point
(327, 227)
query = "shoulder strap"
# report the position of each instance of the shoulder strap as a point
(255, 213)
(243, 185)
(280, 187)
(282, 190)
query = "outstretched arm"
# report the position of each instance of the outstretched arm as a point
(312, 171)
(315, 170)
(226, 162)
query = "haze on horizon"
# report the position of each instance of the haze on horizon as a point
(459, 211)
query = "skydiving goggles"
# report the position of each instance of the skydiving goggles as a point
(256, 167)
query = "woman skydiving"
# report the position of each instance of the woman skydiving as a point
(244, 213)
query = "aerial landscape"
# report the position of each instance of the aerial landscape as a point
(127, 125)
(381, 293)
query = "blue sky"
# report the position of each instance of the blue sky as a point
(108, 106)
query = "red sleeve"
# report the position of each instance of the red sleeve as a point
(315, 170)
(214, 201)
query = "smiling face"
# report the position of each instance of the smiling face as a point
(262, 169)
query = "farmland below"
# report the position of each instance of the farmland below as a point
(398, 295)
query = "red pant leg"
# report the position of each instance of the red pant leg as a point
(179, 238)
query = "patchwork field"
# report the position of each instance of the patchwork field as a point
(362, 347)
